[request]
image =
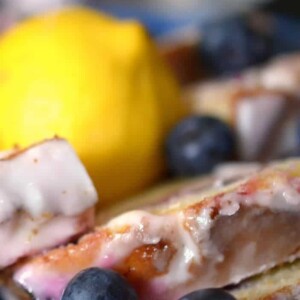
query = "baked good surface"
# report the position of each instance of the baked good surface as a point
(43, 189)
(206, 238)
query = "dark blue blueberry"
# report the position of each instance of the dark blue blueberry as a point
(208, 294)
(231, 45)
(286, 34)
(98, 284)
(197, 144)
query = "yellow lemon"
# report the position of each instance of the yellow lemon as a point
(99, 83)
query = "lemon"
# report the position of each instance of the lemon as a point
(99, 83)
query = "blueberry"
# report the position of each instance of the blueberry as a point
(197, 144)
(231, 45)
(208, 294)
(98, 284)
(286, 34)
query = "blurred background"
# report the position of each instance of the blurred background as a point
(171, 21)
(159, 16)
(184, 22)
(96, 80)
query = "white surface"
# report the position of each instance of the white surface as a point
(46, 178)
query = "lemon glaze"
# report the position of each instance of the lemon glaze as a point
(192, 233)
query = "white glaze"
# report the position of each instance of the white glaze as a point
(283, 73)
(188, 231)
(229, 171)
(46, 178)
